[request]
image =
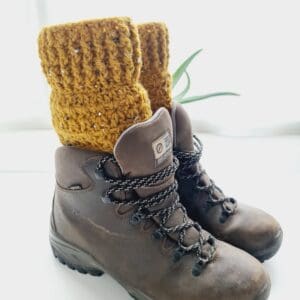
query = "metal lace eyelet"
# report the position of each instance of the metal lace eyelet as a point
(211, 241)
(198, 268)
(136, 218)
(227, 208)
(106, 199)
(204, 258)
(178, 254)
(158, 234)
(99, 173)
(233, 201)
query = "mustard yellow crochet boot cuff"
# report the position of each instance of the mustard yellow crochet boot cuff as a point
(155, 76)
(93, 68)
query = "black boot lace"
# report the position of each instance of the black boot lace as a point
(187, 161)
(148, 208)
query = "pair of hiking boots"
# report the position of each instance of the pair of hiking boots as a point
(149, 215)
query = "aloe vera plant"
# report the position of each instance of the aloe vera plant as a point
(180, 72)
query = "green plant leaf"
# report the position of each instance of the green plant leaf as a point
(186, 89)
(203, 97)
(182, 68)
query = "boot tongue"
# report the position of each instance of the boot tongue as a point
(183, 139)
(182, 129)
(146, 148)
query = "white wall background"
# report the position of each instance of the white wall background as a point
(250, 47)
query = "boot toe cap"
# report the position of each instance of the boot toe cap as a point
(235, 274)
(256, 232)
(253, 282)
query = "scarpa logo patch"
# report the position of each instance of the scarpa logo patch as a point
(162, 147)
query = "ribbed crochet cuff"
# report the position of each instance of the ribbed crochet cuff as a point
(98, 52)
(155, 76)
(93, 68)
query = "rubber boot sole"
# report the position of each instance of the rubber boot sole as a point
(78, 260)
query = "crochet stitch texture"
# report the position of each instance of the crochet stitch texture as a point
(155, 76)
(93, 68)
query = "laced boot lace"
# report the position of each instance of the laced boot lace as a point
(187, 161)
(150, 207)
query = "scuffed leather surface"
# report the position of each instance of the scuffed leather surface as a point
(131, 255)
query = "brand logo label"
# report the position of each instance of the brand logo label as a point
(162, 147)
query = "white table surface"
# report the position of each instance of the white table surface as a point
(264, 172)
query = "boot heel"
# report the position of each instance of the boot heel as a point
(73, 257)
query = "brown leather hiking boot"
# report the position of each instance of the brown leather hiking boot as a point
(242, 226)
(121, 214)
